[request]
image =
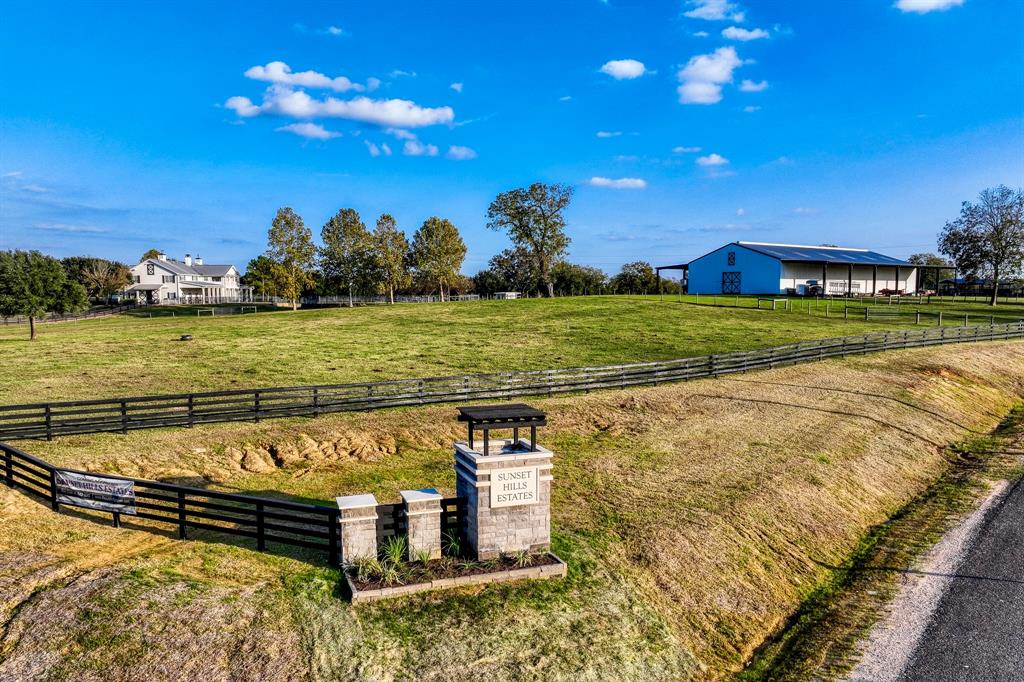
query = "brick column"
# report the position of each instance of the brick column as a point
(508, 497)
(358, 527)
(423, 517)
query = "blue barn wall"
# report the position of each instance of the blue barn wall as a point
(761, 274)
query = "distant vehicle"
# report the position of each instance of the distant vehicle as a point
(813, 288)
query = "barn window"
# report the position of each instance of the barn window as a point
(731, 258)
(149, 269)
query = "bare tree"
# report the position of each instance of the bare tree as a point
(987, 240)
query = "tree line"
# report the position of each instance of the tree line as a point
(33, 284)
(353, 260)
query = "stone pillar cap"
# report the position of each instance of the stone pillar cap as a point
(355, 501)
(421, 495)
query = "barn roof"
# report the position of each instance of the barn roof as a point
(823, 254)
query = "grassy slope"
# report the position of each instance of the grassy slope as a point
(695, 518)
(131, 356)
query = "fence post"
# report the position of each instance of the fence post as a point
(967, 317)
(8, 468)
(917, 320)
(846, 312)
(49, 423)
(261, 541)
(54, 504)
(181, 515)
(124, 417)
(332, 538)
(316, 402)
(940, 323)
(191, 410)
(256, 404)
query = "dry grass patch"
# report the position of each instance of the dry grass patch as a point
(695, 518)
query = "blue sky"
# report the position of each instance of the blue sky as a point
(682, 125)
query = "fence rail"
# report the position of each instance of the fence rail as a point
(57, 317)
(47, 420)
(262, 519)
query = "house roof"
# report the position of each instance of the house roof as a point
(823, 254)
(179, 268)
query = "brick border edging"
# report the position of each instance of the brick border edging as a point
(556, 570)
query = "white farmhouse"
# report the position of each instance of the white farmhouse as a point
(163, 280)
(762, 268)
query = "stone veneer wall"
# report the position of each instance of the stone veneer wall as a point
(423, 518)
(491, 532)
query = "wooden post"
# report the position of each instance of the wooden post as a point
(8, 469)
(181, 515)
(117, 519)
(49, 423)
(191, 408)
(54, 504)
(124, 417)
(332, 538)
(917, 320)
(256, 405)
(940, 318)
(261, 540)
(316, 402)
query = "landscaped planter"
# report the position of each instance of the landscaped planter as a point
(547, 565)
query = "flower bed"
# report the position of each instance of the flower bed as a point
(370, 580)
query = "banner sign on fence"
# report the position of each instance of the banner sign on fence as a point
(95, 492)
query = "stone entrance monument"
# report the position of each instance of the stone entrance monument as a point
(506, 482)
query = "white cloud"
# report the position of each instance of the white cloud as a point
(400, 134)
(311, 131)
(334, 31)
(460, 153)
(417, 148)
(751, 109)
(372, 84)
(925, 6)
(12, 174)
(627, 157)
(748, 85)
(373, 149)
(457, 87)
(702, 78)
(803, 210)
(71, 229)
(741, 212)
(609, 133)
(712, 160)
(685, 150)
(617, 183)
(398, 73)
(38, 189)
(714, 10)
(700, 34)
(280, 73)
(743, 34)
(624, 69)
(283, 101)
(565, 98)
(385, 148)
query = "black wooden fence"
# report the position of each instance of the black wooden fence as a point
(46, 420)
(263, 519)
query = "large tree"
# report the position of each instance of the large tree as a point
(104, 278)
(290, 247)
(575, 280)
(346, 258)
(534, 219)
(437, 253)
(987, 240)
(151, 253)
(635, 278)
(517, 267)
(391, 254)
(32, 285)
(259, 274)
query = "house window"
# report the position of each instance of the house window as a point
(216, 279)
(168, 279)
(150, 269)
(137, 279)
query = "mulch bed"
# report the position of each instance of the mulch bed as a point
(442, 569)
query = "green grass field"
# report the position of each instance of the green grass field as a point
(135, 355)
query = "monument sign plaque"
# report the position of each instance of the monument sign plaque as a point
(513, 487)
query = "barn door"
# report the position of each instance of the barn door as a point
(730, 282)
